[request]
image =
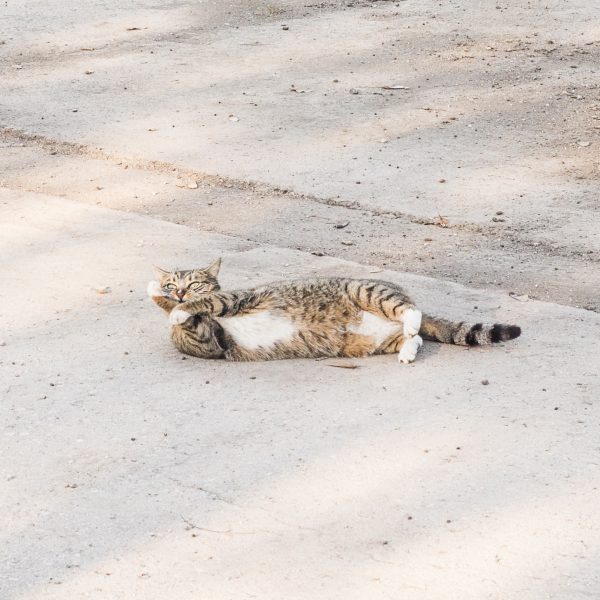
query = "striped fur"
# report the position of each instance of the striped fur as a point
(466, 334)
(327, 317)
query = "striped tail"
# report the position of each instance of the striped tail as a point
(466, 334)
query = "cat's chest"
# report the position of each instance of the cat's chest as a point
(259, 330)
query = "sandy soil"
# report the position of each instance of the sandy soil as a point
(452, 147)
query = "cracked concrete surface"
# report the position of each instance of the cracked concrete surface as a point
(173, 132)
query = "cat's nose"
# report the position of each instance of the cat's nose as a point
(180, 294)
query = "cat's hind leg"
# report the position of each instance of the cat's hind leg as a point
(411, 323)
(391, 303)
(408, 350)
(387, 301)
(405, 346)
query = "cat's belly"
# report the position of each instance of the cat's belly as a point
(259, 330)
(375, 327)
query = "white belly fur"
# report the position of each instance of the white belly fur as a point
(259, 330)
(376, 327)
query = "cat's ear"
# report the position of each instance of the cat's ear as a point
(213, 270)
(160, 272)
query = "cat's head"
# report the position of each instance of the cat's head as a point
(184, 286)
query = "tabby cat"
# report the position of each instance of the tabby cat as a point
(303, 318)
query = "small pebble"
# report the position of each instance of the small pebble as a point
(485, 382)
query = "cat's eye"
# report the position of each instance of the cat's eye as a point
(195, 286)
(170, 286)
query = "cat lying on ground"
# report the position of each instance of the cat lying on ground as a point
(304, 318)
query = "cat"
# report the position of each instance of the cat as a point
(304, 318)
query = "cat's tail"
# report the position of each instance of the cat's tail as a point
(466, 334)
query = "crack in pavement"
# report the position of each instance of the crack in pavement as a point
(64, 148)
(53, 146)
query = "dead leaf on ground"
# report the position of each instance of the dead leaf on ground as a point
(519, 297)
(192, 185)
(341, 365)
(133, 28)
(293, 88)
(440, 221)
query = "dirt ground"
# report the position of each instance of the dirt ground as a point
(452, 147)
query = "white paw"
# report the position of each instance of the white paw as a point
(412, 321)
(154, 289)
(178, 316)
(409, 349)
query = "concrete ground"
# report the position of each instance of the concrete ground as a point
(179, 131)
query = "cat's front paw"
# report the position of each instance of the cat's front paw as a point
(178, 316)
(154, 289)
(409, 349)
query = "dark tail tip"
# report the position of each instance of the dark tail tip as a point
(471, 337)
(502, 333)
(514, 331)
